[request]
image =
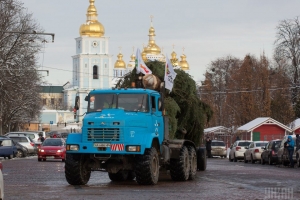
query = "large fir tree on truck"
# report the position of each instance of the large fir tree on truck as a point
(187, 113)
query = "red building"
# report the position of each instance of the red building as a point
(263, 129)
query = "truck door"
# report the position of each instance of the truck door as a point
(157, 118)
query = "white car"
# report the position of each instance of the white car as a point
(254, 150)
(237, 150)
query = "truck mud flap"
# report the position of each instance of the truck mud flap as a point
(201, 159)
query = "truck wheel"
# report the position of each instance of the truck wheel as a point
(77, 171)
(131, 175)
(147, 167)
(202, 159)
(122, 175)
(180, 168)
(193, 162)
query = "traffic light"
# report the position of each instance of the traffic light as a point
(65, 124)
(75, 112)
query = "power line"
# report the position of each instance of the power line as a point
(246, 91)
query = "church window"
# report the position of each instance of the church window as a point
(95, 72)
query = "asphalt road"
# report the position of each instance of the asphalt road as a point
(27, 178)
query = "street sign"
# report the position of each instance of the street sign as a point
(51, 122)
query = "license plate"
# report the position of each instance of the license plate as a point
(101, 144)
(50, 156)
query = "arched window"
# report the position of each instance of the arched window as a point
(95, 72)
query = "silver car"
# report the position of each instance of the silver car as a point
(218, 148)
(33, 135)
(27, 142)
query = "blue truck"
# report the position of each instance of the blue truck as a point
(125, 132)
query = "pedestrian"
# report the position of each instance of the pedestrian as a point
(297, 145)
(208, 147)
(41, 138)
(290, 144)
(297, 142)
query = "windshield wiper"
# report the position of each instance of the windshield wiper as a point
(112, 101)
(142, 103)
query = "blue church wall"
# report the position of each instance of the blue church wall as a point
(47, 117)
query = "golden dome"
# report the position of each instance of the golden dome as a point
(92, 27)
(151, 48)
(120, 62)
(132, 61)
(132, 57)
(174, 60)
(183, 63)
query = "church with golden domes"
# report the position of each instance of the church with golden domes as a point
(93, 66)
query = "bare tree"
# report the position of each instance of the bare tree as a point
(19, 80)
(287, 48)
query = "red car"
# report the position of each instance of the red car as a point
(52, 148)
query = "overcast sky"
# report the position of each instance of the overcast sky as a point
(207, 29)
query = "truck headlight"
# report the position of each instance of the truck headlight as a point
(133, 148)
(72, 147)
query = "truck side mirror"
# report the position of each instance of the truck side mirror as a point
(86, 98)
(160, 104)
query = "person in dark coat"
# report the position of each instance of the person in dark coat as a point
(297, 144)
(290, 144)
(208, 147)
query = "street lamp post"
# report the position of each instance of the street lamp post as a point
(31, 33)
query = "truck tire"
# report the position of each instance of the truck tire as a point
(122, 175)
(147, 167)
(193, 162)
(131, 175)
(180, 168)
(202, 159)
(76, 169)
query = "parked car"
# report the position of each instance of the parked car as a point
(269, 155)
(7, 148)
(64, 135)
(51, 134)
(27, 142)
(22, 151)
(237, 150)
(283, 157)
(218, 148)
(54, 148)
(1, 182)
(39, 133)
(253, 151)
(33, 135)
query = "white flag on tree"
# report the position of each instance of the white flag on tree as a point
(140, 65)
(170, 75)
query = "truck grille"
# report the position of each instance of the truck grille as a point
(104, 135)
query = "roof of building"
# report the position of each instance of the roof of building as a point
(250, 126)
(295, 124)
(216, 130)
(51, 89)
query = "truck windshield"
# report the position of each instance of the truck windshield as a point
(133, 102)
(98, 102)
(128, 102)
